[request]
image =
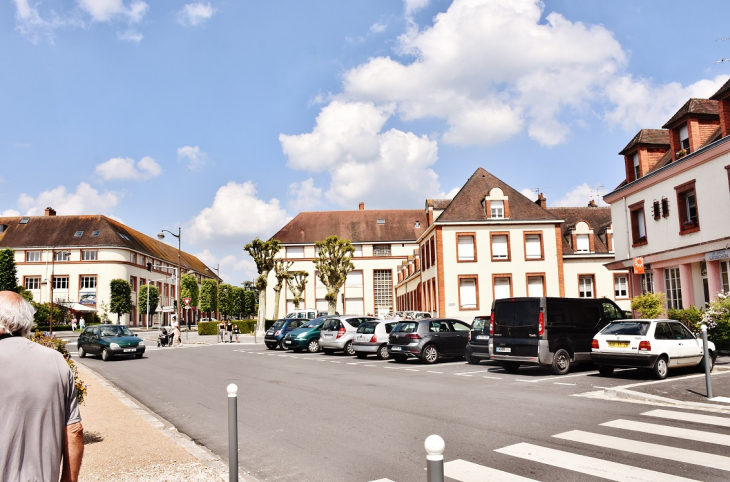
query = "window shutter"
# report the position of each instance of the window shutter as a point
(640, 221)
(466, 248)
(295, 252)
(354, 279)
(468, 293)
(501, 288)
(582, 242)
(358, 251)
(499, 246)
(354, 306)
(534, 286)
(532, 246)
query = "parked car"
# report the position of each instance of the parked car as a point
(207, 319)
(655, 344)
(428, 339)
(415, 315)
(554, 332)
(307, 314)
(477, 349)
(338, 332)
(372, 338)
(109, 341)
(275, 335)
(306, 337)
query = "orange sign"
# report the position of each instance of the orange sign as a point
(639, 265)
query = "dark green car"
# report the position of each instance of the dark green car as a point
(109, 341)
(304, 338)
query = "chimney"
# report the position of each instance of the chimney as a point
(50, 212)
(362, 206)
(592, 204)
(541, 201)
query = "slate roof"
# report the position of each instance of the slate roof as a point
(722, 92)
(694, 106)
(656, 137)
(467, 204)
(357, 226)
(597, 218)
(58, 231)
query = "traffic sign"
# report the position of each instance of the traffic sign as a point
(187, 302)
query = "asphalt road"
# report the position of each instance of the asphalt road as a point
(312, 417)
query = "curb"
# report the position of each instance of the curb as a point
(630, 395)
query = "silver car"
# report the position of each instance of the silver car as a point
(372, 337)
(338, 332)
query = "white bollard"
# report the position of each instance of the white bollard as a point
(434, 459)
(232, 432)
(707, 361)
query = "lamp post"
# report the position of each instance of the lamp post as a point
(53, 272)
(217, 291)
(179, 272)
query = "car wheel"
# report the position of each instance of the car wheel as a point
(399, 358)
(361, 355)
(660, 368)
(158, 344)
(605, 371)
(349, 349)
(139, 355)
(471, 360)
(270, 346)
(510, 366)
(281, 345)
(105, 355)
(327, 351)
(561, 362)
(313, 346)
(383, 353)
(430, 354)
(82, 352)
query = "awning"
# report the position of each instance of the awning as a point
(76, 307)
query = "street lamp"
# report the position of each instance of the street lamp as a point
(217, 292)
(53, 272)
(179, 272)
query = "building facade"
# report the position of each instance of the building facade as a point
(72, 259)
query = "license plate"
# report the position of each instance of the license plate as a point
(504, 349)
(130, 349)
(618, 344)
(395, 348)
(328, 336)
(482, 337)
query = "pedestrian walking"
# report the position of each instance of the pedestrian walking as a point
(41, 424)
(229, 329)
(176, 341)
(82, 324)
(222, 332)
(74, 322)
(236, 333)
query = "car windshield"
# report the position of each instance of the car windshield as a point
(277, 324)
(313, 324)
(367, 328)
(406, 328)
(115, 331)
(627, 328)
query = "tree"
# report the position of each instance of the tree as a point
(717, 319)
(649, 305)
(281, 271)
(333, 262)
(249, 306)
(209, 296)
(262, 253)
(121, 297)
(297, 283)
(142, 298)
(226, 299)
(8, 271)
(238, 296)
(189, 289)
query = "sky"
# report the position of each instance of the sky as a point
(227, 118)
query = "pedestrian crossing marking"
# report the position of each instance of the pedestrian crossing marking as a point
(587, 465)
(667, 431)
(465, 471)
(382, 480)
(651, 450)
(689, 417)
(719, 399)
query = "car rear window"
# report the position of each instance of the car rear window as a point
(627, 328)
(277, 324)
(331, 325)
(312, 324)
(367, 328)
(517, 313)
(478, 323)
(406, 327)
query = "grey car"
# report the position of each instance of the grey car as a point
(371, 338)
(428, 339)
(338, 332)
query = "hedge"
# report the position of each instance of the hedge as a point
(59, 327)
(245, 326)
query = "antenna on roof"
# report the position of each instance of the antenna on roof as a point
(721, 60)
(596, 188)
(722, 39)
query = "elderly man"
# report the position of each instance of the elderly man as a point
(40, 426)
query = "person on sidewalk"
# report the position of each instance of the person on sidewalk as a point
(82, 324)
(74, 322)
(176, 341)
(222, 332)
(229, 329)
(236, 333)
(40, 428)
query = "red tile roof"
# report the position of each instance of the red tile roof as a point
(722, 93)
(597, 218)
(698, 107)
(655, 137)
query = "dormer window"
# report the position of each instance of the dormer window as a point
(582, 243)
(637, 169)
(381, 220)
(497, 209)
(684, 138)
(418, 224)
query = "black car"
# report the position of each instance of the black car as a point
(478, 347)
(428, 339)
(109, 341)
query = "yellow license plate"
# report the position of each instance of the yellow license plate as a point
(618, 344)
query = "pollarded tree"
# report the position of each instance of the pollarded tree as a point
(209, 296)
(121, 297)
(142, 298)
(189, 289)
(333, 262)
(8, 271)
(281, 271)
(296, 285)
(262, 253)
(226, 299)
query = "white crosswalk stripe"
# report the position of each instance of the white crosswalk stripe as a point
(689, 417)
(470, 472)
(676, 432)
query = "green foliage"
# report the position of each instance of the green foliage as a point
(227, 301)
(60, 346)
(121, 297)
(650, 305)
(26, 294)
(250, 307)
(8, 271)
(333, 262)
(691, 317)
(142, 299)
(43, 311)
(238, 301)
(717, 319)
(211, 327)
(263, 253)
(104, 312)
(209, 296)
(189, 289)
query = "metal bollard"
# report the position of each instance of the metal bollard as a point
(435, 459)
(708, 362)
(232, 432)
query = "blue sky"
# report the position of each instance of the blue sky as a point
(229, 117)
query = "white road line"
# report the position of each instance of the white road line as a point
(322, 360)
(395, 368)
(587, 465)
(689, 417)
(271, 354)
(714, 399)
(382, 480)
(560, 383)
(492, 378)
(430, 371)
(370, 365)
(651, 450)
(667, 431)
(333, 361)
(412, 370)
(468, 374)
(259, 353)
(465, 471)
(526, 381)
(368, 361)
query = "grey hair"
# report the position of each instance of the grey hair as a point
(16, 314)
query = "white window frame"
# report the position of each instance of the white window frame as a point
(499, 237)
(294, 252)
(88, 282)
(354, 279)
(684, 137)
(533, 246)
(502, 288)
(30, 257)
(465, 247)
(497, 209)
(358, 251)
(531, 287)
(585, 287)
(582, 243)
(382, 250)
(647, 282)
(637, 173)
(621, 286)
(61, 256)
(641, 221)
(673, 287)
(89, 255)
(468, 293)
(35, 283)
(60, 283)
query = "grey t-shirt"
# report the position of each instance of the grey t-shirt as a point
(38, 401)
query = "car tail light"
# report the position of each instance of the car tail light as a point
(541, 324)
(374, 339)
(277, 332)
(491, 324)
(469, 335)
(413, 336)
(594, 344)
(645, 346)
(340, 332)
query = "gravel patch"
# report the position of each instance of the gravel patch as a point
(172, 472)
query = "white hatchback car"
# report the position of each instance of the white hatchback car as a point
(655, 344)
(372, 338)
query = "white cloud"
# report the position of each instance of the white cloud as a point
(86, 200)
(196, 158)
(530, 194)
(194, 14)
(412, 6)
(125, 168)
(365, 164)
(10, 213)
(238, 215)
(452, 193)
(108, 10)
(30, 23)
(233, 269)
(305, 196)
(580, 196)
(130, 35)
(378, 27)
